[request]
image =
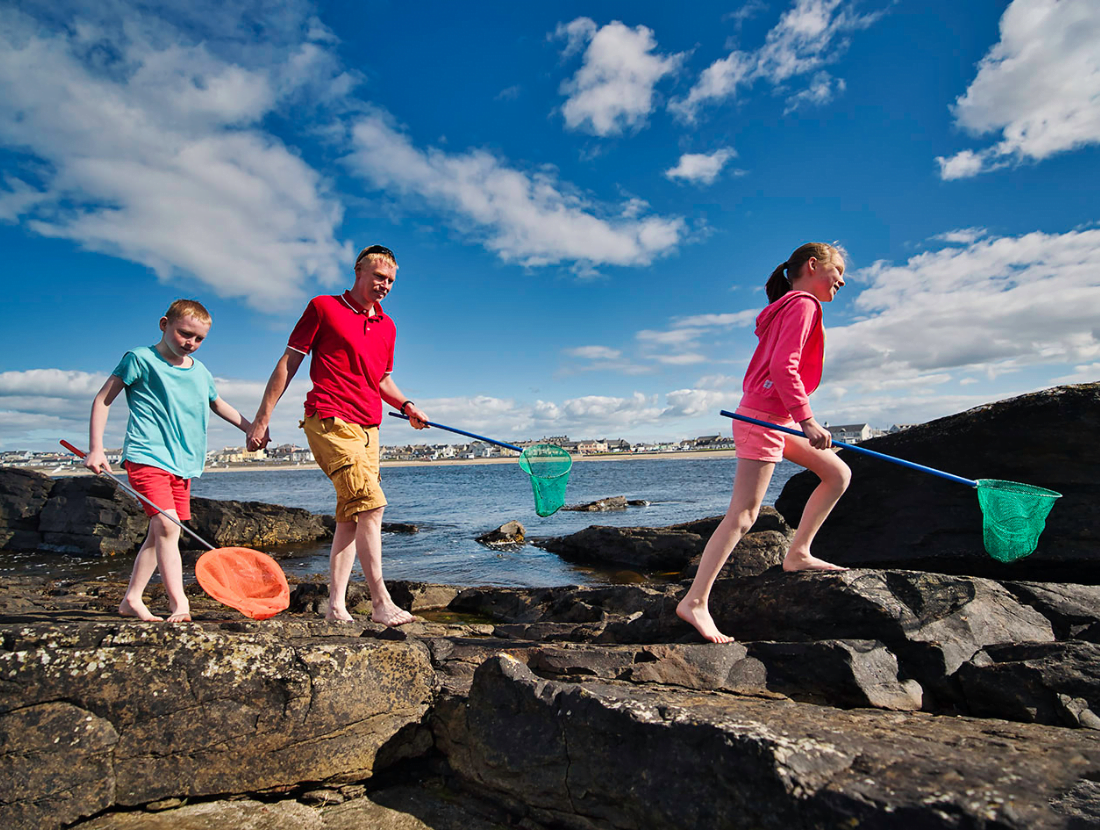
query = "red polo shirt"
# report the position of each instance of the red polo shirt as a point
(352, 351)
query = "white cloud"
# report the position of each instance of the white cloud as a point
(807, 37)
(1039, 87)
(686, 359)
(614, 88)
(594, 352)
(993, 307)
(146, 145)
(1085, 373)
(530, 218)
(961, 236)
(690, 403)
(701, 168)
(676, 337)
(736, 318)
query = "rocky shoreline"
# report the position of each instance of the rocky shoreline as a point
(882, 697)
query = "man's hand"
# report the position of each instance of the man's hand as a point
(417, 417)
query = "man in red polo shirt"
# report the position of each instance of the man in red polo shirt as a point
(351, 342)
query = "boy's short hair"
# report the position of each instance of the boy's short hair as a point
(188, 308)
(375, 252)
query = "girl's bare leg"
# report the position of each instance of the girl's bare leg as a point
(750, 483)
(834, 475)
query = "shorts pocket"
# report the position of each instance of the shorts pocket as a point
(349, 480)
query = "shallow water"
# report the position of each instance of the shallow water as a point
(452, 504)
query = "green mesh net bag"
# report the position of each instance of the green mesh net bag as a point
(548, 466)
(1013, 516)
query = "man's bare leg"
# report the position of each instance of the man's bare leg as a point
(834, 475)
(341, 561)
(368, 545)
(750, 483)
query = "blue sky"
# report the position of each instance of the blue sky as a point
(585, 199)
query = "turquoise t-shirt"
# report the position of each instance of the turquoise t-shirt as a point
(169, 411)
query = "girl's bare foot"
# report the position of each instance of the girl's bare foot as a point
(389, 614)
(183, 615)
(696, 614)
(137, 609)
(807, 562)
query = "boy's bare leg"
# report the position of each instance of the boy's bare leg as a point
(166, 535)
(341, 561)
(750, 483)
(145, 564)
(368, 544)
(834, 475)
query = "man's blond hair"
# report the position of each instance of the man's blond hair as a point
(376, 252)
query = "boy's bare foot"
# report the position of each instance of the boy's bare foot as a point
(695, 613)
(137, 609)
(180, 616)
(389, 614)
(807, 562)
(339, 615)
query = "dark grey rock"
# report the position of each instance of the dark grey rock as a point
(600, 506)
(509, 535)
(894, 517)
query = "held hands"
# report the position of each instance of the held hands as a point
(96, 461)
(258, 436)
(819, 437)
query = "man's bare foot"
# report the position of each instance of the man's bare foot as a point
(137, 609)
(807, 562)
(695, 613)
(389, 614)
(183, 615)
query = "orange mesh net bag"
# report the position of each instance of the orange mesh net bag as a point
(250, 581)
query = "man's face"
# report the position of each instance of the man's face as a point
(375, 277)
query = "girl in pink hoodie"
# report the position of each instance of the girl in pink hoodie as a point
(783, 372)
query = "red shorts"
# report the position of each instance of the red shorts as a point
(756, 443)
(166, 490)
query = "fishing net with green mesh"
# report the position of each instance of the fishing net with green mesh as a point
(548, 465)
(1013, 516)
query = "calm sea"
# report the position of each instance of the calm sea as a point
(453, 504)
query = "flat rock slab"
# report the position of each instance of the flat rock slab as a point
(581, 756)
(94, 715)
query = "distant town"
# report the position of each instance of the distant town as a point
(291, 454)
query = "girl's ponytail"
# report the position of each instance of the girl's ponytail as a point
(778, 284)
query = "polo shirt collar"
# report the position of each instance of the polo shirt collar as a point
(350, 302)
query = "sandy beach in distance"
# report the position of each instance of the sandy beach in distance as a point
(694, 455)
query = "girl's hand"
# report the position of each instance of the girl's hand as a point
(819, 437)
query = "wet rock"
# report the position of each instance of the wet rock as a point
(92, 516)
(103, 714)
(400, 527)
(894, 517)
(581, 755)
(669, 548)
(600, 506)
(509, 535)
(252, 524)
(1054, 683)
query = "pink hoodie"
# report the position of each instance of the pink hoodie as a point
(786, 367)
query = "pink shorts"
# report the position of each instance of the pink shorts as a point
(757, 443)
(166, 490)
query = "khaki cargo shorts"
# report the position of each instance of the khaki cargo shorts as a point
(348, 453)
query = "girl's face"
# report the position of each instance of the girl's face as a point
(823, 278)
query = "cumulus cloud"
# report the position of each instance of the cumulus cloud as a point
(526, 217)
(961, 236)
(736, 318)
(145, 143)
(701, 168)
(1039, 87)
(991, 307)
(690, 403)
(613, 91)
(594, 352)
(807, 37)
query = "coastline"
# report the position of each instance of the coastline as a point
(256, 466)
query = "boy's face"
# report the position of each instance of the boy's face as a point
(183, 336)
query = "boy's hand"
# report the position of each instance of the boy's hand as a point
(258, 436)
(97, 462)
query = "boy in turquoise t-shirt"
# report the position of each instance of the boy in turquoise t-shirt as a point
(170, 395)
